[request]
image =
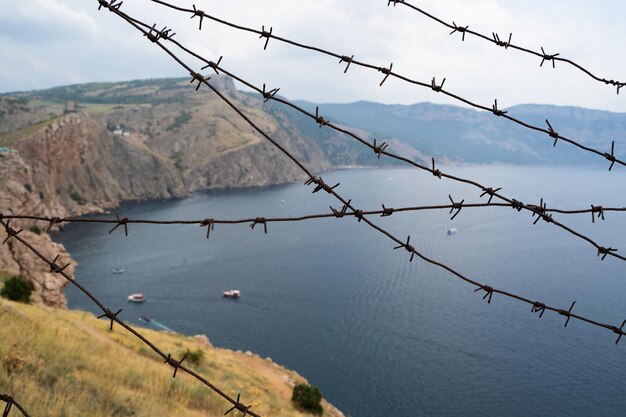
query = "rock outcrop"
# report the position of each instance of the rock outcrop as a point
(164, 140)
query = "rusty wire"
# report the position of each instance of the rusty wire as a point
(597, 212)
(496, 40)
(155, 35)
(10, 402)
(387, 72)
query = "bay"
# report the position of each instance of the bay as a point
(378, 334)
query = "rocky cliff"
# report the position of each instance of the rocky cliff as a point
(134, 141)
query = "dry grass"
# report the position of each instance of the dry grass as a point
(62, 363)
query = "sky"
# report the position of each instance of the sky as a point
(47, 43)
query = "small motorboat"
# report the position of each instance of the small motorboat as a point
(232, 294)
(136, 298)
(452, 231)
(145, 319)
(118, 270)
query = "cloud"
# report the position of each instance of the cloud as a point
(72, 40)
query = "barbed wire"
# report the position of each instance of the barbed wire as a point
(113, 317)
(536, 306)
(388, 72)
(496, 40)
(321, 185)
(155, 35)
(10, 402)
(597, 212)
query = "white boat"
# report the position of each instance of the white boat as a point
(452, 231)
(232, 294)
(118, 270)
(136, 298)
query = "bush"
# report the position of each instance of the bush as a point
(307, 397)
(75, 195)
(195, 357)
(35, 229)
(17, 289)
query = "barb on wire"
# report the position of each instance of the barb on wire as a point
(378, 150)
(408, 248)
(488, 292)
(199, 13)
(266, 35)
(215, 66)
(120, 222)
(455, 206)
(461, 29)
(11, 232)
(599, 210)
(542, 213)
(552, 133)
(567, 313)
(174, 363)
(547, 57)
(110, 315)
(491, 192)
(389, 73)
(386, 71)
(238, 406)
(347, 59)
(259, 220)
(495, 39)
(9, 403)
(210, 226)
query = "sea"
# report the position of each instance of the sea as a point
(379, 335)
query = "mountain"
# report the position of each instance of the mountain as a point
(86, 148)
(467, 135)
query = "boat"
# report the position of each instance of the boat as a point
(232, 294)
(136, 298)
(145, 319)
(118, 270)
(452, 231)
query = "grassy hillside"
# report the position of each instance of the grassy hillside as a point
(63, 363)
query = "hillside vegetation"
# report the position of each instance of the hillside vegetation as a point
(58, 363)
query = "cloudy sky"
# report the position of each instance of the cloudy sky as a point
(45, 43)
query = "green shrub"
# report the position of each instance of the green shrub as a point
(194, 357)
(307, 397)
(35, 229)
(75, 195)
(17, 289)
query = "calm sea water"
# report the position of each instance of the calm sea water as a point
(379, 335)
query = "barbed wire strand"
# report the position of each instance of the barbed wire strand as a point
(496, 40)
(384, 212)
(540, 210)
(113, 317)
(349, 60)
(10, 402)
(536, 307)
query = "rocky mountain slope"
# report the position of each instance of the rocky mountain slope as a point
(135, 141)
